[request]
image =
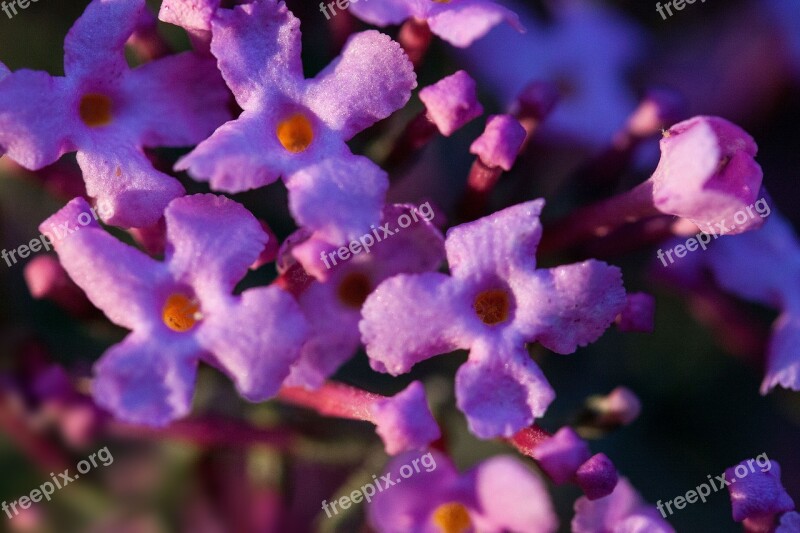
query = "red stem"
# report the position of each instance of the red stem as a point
(333, 399)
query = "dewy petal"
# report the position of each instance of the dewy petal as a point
(145, 382)
(461, 23)
(123, 180)
(367, 82)
(500, 389)
(404, 421)
(496, 245)
(234, 158)
(512, 498)
(117, 278)
(707, 173)
(451, 102)
(340, 198)
(257, 46)
(31, 132)
(176, 101)
(95, 45)
(783, 361)
(211, 242)
(254, 339)
(410, 318)
(383, 13)
(758, 493)
(568, 306)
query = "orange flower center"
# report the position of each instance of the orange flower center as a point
(492, 306)
(95, 110)
(354, 289)
(295, 133)
(180, 313)
(452, 518)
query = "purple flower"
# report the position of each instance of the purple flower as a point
(404, 421)
(500, 142)
(757, 494)
(585, 50)
(790, 523)
(192, 15)
(182, 310)
(561, 455)
(459, 22)
(451, 102)
(333, 307)
(622, 511)
(638, 314)
(298, 128)
(499, 494)
(108, 112)
(494, 302)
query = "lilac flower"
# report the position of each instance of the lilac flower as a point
(108, 112)
(181, 311)
(192, 15)
(586, 50)
(561, 455)
(499, 494)
(500, 142)
(333, 307)
(459, 22)
(758, 494)
(493, 304)
(297, 128)
(621, 511)
(790, 523)
(404, 421)
(451, 102)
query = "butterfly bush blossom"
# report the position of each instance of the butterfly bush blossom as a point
(111, 112)
(494, 302)
(182, 311)
(297, 128)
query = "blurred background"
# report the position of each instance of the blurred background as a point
(240, 467)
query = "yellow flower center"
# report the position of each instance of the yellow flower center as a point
(295, 133)
(354, 289)
(452, 518)
(492, 306)
(95, 110)
(180, 313)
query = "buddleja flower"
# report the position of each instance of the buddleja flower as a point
(298, 128)
(333, 307)
(495, 302)
(459, 22)
(500, 494)
(181, 311)
(109, 112)
(621, 511)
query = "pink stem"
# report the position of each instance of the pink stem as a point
(333, 399)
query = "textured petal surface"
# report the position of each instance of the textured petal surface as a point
(254, 339)
(568, 306)
(95, 45)
(758, 493)
(500, 142)
(561, 455)
(123, 179)
(340, 198)
(383, 13)
(462, 22)
(175, 101)
(404, 421)
(501, 390)
(512, 498)
(30, 132)
(410, 318)
(451, 102)
(117, 278)
(258, 48)
(497, 244)
(145, 382)
(192, 15)
(614, 511)
(212, 241)
(367, 82)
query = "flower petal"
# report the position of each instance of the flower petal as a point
(177, 101)
(501, 390)
(340, 198)
(117, 278)
(410, 318)
(757, 494)
(462, 23)
(212, 241)
(257, 46)
(30, 132)
(383, 13)
(497, 244)
(404, 421)
(254, 339)
(144, 382)
(568, 306)
(783, 363)
(95, 45)
(192, 15)
(370, 79)
(451, 102)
